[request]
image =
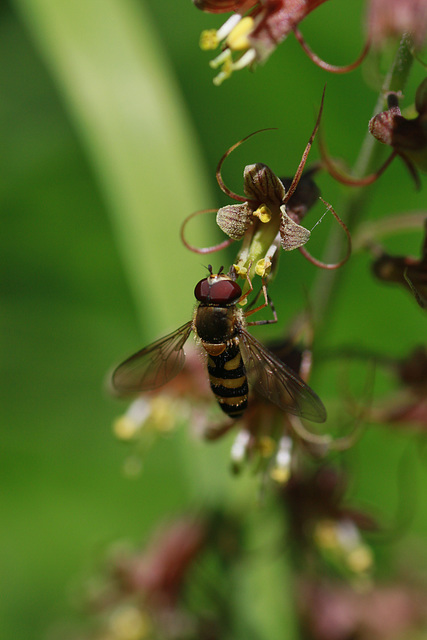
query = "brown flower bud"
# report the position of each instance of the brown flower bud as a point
(382, 125)
(408, 137)
(262, 185)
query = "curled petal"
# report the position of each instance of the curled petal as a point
(292, 235)
(262, 185)
(234, 219)
(325, 65)
(298, 174)
(219, 179)
(340, 175)
(201, 250)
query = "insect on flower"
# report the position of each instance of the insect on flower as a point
(233, 356)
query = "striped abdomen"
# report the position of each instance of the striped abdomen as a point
(228, 380)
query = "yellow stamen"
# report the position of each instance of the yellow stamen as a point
(162, 414)
(238, 38)
(129, 623)
(325, 534)
(263, 213)
(262, 266)
(241, 271)
(209, 40)
(125, 428)
(223, 75)
(360, 559)
(280, 475)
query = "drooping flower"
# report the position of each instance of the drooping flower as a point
(406, 406)
(156, 414)
(333, 610)
(407, 271)
(148, 591)
(407, 137)
(268, 216)
(253, 32)
(325, 524)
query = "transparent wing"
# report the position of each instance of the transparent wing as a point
(277, 382)
(153, 366)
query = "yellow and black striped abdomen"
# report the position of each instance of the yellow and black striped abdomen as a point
(228, 380)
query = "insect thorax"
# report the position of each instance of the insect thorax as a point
(216, 325)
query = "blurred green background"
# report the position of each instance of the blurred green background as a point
(111, 130)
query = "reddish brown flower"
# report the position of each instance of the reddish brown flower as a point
(407, 271)
(407, 406)
(269, 215)
(407, 137)
(391, 18)
(253, 32)
(335, 611)
(158, 572)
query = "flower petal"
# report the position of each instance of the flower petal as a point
(262, 185)
(293, 235)
(234, 219)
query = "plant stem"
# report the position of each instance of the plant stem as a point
(352, 209)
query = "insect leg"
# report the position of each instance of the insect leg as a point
(268, 301)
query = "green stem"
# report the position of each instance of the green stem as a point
(352, 209)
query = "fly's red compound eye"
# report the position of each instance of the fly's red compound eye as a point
(202, 290)
(217, 290)
(225, 292)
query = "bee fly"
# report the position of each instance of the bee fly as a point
(233, 356)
